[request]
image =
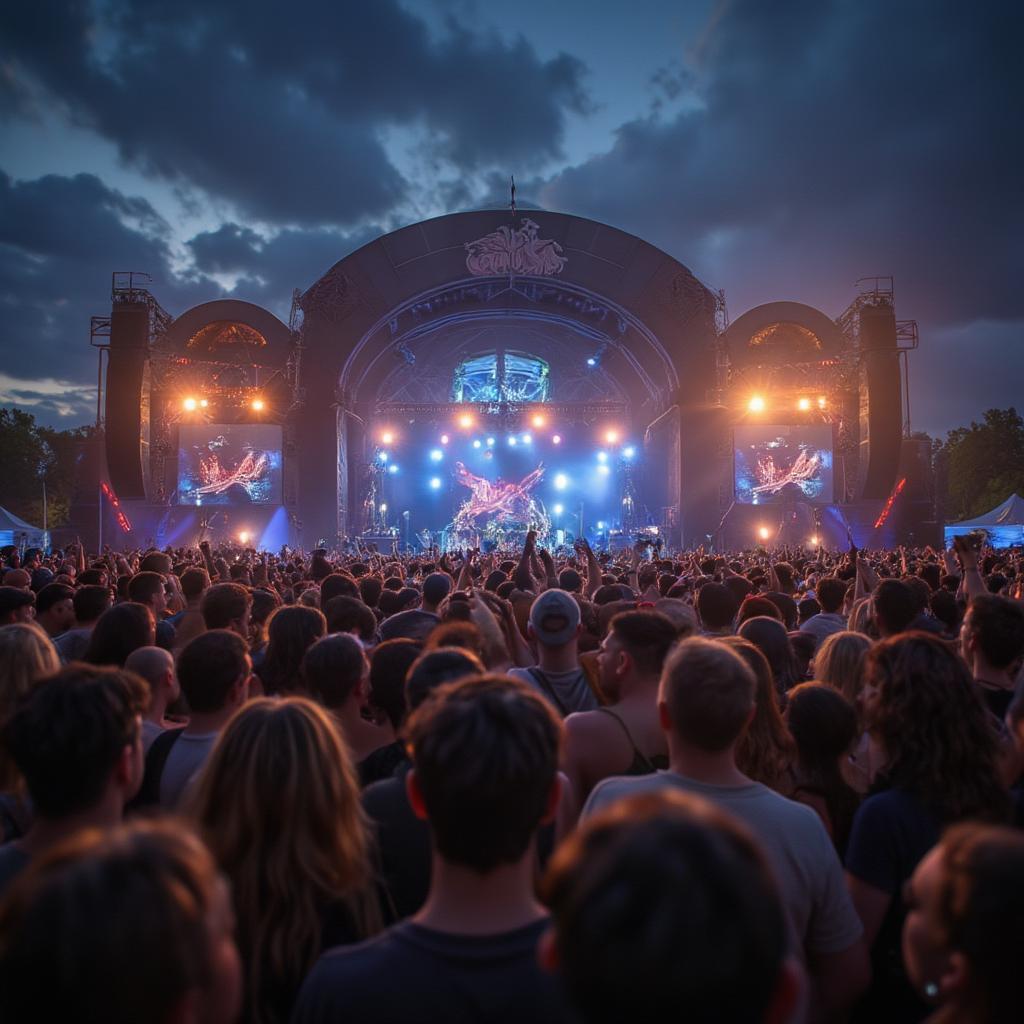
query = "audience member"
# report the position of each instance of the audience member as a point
(291, 632)
(89, 603)
(830, 594)
(150, 589)
(17, 604)
(55, 610)
(119, 631)
(155, 667)
(992, 644)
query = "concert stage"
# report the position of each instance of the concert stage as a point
(462, 380)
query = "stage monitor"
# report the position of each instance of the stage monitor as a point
(229, 464)
(781, 464)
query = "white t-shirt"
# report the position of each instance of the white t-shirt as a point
(793, 839)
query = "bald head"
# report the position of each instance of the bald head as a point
(156, 666)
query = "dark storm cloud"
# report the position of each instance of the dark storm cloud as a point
(281, 111)
(834, 140)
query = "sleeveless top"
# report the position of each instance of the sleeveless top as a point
(641, 764)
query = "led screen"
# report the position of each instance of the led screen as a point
(777, 464)
(229, 464)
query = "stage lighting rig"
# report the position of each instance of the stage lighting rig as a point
(756, 403)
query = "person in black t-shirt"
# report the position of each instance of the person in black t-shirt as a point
(992, 643)
(485, 762)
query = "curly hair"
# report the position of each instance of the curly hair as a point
(766, 751)
(934, 728)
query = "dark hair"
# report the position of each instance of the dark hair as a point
(370, 588)
(456, 633)
(332, 668)
(433, 668)
(934, 728)
(997, 622)
(90, 602)
(895, 606)
(389, 663)
(664, 905)
(495, 579)
(646, 636)
(194, 581)
(931, 573)
(223, 604)
(337, 585)
(292, 630)
(831, 592)
(770, 637)
(485, 753)
(143, 586)
(569, 580)
(710, 692)
(755, 605)
(119, 631)
(824, 725)
(807, 609)
(51, 594)
(436, 587)
(111, 926)
(716, 606)
(69, 732)
(158, 562)
(945, 608)
(346, 613)
(209, 665)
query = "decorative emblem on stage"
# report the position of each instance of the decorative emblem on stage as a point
(498, 511)
(515, 251)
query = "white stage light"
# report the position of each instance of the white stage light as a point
(512, 442)
(602, 456)
(436, 455)
(383, 456)
(435, 483)
(561, 481)
(557, 439)
(476, 442)
(628, 452)
(444, 439)
(603, 470)
(392, 468)
(527, 439)
(490, 442)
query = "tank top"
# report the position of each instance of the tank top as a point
(641, 763)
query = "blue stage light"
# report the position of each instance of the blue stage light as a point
(435, 483)
(559, 509)
(561, 481)
(476, 443)
(436, 455)
(490, 442)
(393, 468)
(383, 456)
(628, 452)
(512, 441)
(602, 456)
(603, 470)
(527, 439)
(592, 361)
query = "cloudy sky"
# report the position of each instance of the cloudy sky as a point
(779, 149)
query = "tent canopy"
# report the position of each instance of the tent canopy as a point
(1004, 524)
(16, 531)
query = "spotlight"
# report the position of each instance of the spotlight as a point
(600, 524)
(804, 404)
(592, 361)
(756, 404)
(611, 436)
(490, 442)
(561, 481)
(476, 442)
(814, 541)
(602, 456)
(527, 438)
(189, 405)
(603, 469)
(435, 483)
(538, 421)
(392, 468)
(628, 452)
(203, 403)
(465, 421)
(257, 405)
(387, 437)
(558, 510)
(383, 507)
(383, 456)
(822, 401)
(445, 439)
(436, 455)
(557, 439)
(512, 441)
(764, 533)
(243, 537)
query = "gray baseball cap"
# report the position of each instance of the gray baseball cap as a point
(554, 617)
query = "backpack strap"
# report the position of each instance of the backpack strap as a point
(545, 684)
(156, 758)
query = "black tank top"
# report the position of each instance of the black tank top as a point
(641, 763)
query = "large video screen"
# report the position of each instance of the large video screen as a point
(229, 464)
(776, 464)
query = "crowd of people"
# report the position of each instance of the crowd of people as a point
(526, 785)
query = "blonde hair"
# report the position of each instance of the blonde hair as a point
(840, 662)
(27, 655)
(278, 805)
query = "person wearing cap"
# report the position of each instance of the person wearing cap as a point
(16, 605)
(554, 627)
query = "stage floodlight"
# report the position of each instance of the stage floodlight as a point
(465, 421)
(814, 541)
(604, 469)
(600, 524)
(756, 404)
(557, 439)
(476, 442)
(602, 456)
(538, 420)
(611, 436)
(490, 442)
(243, 537)
(387, 437)
(527, 438)
(189, 405)
(764, 533)
(558, 510)
(445, 439)
(513, 441)
(628, 452)
(392, 468)
(383, 507)
(822, 401)
(383, 456)
(203, 403)
(804, 404)
(561, 481)
(257, 405)
(591, 361)
(435, 483)
(436, 455)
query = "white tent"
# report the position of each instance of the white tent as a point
(1003, 525)
(23, 535)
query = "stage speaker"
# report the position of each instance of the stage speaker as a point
(127, 404)
(881, 415)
